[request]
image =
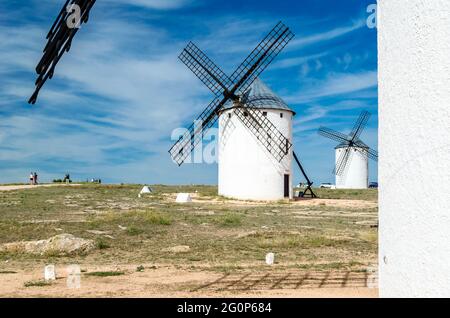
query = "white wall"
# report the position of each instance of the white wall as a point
(414, 166)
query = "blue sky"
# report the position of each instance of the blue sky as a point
(116, 97)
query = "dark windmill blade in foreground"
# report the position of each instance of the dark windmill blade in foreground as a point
(232, 88)
(60, 38)
(350, 143)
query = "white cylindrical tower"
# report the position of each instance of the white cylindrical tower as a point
(356, 173)
(247, 170)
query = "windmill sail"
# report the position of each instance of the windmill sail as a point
(360, 125)
(182, 149)
(350, 142)
(261, 57)
(229, 87)
(266, 133)
(205, 69)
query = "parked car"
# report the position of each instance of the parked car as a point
(326, 186)
(373, 185)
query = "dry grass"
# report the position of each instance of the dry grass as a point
(37, 283)
(367, 195)
(223, 235)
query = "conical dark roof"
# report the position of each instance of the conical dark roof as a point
(259, 95)
(346, 145)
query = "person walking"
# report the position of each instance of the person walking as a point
(35, 178)
(31, 178)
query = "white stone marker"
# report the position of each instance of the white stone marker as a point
(270, 258)
(183, 198)
(73, 277)
(145, 190)
(49, 273)
(372, 277)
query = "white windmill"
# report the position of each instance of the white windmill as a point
(352, 155)
(255, 126)
(246, 169)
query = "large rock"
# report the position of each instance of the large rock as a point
(63, 244)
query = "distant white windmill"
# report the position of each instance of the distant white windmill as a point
(352, 155)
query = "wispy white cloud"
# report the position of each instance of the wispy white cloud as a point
(346, 83)
(313, 113)
(156, 4)
(335, 84)
(232, 37)
(18, 48)
(336, 115)
(316, 38)
(296, 61)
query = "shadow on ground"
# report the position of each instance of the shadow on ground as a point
(258, 282)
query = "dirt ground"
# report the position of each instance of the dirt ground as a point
(212, 247)
(170, 282)
(28, 186)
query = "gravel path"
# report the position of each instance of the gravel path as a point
(24, 187)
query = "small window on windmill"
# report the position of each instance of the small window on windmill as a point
(229, 115)
(245, 114)
(281, 115)
(265, 114)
